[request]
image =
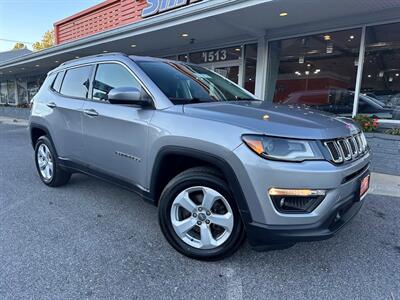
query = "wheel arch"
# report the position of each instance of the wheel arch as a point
(36, 131)
(205, 159)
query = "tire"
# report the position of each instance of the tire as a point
(53, 176)
(208, 240)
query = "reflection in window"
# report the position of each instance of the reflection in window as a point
(381, 73)
(110, 76)
(318, 71)
(250, 64)
(187, 83)
(76, 82)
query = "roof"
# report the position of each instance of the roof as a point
(12, 54)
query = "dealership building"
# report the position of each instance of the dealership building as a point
(341, 56)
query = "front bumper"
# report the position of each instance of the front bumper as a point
(261, 236)
(270, 227)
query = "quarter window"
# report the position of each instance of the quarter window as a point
(111, 76)
(58, 81)
(76, 82)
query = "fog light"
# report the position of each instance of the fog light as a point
(296, 200)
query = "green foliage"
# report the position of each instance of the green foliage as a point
(366, 123)
(393, 131)
(19, 46)
(46, 42)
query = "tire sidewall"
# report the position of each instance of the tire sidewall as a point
(166, 200)
(47, 142)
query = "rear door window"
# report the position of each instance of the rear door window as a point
(76, 82)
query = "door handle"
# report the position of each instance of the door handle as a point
(91, 112)
(51, 105)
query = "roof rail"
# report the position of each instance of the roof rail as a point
(93, 56)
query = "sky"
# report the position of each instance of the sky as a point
(28, 20)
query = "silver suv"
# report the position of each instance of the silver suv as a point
(219, 164)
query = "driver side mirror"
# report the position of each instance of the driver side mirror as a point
(127, 96)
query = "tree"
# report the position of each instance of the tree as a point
(46, 42)
(19, 45)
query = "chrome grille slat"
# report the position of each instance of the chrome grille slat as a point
(359, 143)
(346, 149)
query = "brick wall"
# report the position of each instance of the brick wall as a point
(385, 153)
(104, 16)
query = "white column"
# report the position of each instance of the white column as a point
(361, 57)
(261, 73)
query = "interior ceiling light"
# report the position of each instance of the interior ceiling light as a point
(397, 74)
(76, 56)
(283, 14)
(327, 37)
(133, 46)
(352, 37)
(56, 61)
(37, 66)
(185, 34)
(105, 51)
(238, 49)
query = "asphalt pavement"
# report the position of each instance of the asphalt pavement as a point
(92, 240)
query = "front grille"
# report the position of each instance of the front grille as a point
(346, 149)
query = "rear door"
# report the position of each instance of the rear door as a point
(115, 136)
(70, 90)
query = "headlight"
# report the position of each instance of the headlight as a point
(283, 149)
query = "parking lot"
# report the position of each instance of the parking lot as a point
(90, 239)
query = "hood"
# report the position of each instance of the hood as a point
(275, 120)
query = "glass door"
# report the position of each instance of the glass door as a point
(231, 70)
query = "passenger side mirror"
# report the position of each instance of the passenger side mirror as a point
(127, 95)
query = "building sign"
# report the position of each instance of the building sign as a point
(216, 55)
(159, 6)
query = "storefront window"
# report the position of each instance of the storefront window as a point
(3, 92)
(250, 64)
(381, 74)
(22, 91)
(11, 92)
(318, 71)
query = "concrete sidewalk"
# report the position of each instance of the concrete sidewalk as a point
(385, 185)
(13, 121)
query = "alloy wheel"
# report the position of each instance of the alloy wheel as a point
(202, 217)
(45, 162)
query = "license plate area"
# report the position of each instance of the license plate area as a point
(364, 186)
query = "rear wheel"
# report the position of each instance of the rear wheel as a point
(47, 165)
(199, 217)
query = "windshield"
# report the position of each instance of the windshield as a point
(186, 83)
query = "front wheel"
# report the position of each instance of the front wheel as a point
(199, 217)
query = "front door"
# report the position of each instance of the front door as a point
(231, 70)
(115, 136)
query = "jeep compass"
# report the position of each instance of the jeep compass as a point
(220, 165)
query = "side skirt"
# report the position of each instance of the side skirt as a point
(76, 167)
